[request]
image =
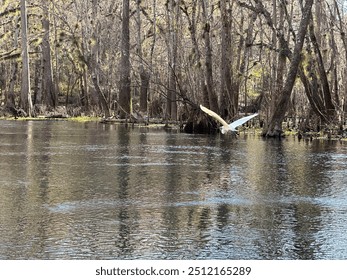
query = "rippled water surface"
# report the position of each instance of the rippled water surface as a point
(93, 191)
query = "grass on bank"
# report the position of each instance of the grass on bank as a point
(42, 118)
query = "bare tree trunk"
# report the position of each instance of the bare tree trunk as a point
(172, 44)
(212, 97)
(26, 102)
(244, 59)
(56, 65)
(125, 90)
(279, 67)
(275, 126)
(228, 98)
(196, 57)
(329, 106)
(37, 72)
(335, 78)
(10, 96)
(84, 89)
(92, 63)
(144, 75)
(344, 43)
(48, 88)
(311, 89)
(10, 100)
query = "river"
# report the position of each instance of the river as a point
(71, 190)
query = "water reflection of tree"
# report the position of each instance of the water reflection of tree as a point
(171, 215)
(285, 189)
(307, 226)
(126, 227)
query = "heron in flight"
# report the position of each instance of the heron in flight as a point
(227, 127)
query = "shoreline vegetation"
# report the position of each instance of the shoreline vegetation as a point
(253, 128)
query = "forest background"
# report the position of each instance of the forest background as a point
(160, 59)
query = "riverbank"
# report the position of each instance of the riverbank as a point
(176, 125)
(151, 123)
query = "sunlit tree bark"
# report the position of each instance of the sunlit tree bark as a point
(124, 90)
(279, 61)
(274, 127)
(26, 102)
(212, 97)
(329, 106)
(48, 88)
(10, 95)
(144, 75)
(228, 97)
(343, 35)
(93, 62)
(196, 59)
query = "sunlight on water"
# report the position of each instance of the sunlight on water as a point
(94, 191)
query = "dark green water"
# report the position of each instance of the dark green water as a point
(93, 191)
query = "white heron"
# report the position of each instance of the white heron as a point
(227, 127)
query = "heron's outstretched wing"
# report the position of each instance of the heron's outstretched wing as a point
(241, 121)
(216, 116)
